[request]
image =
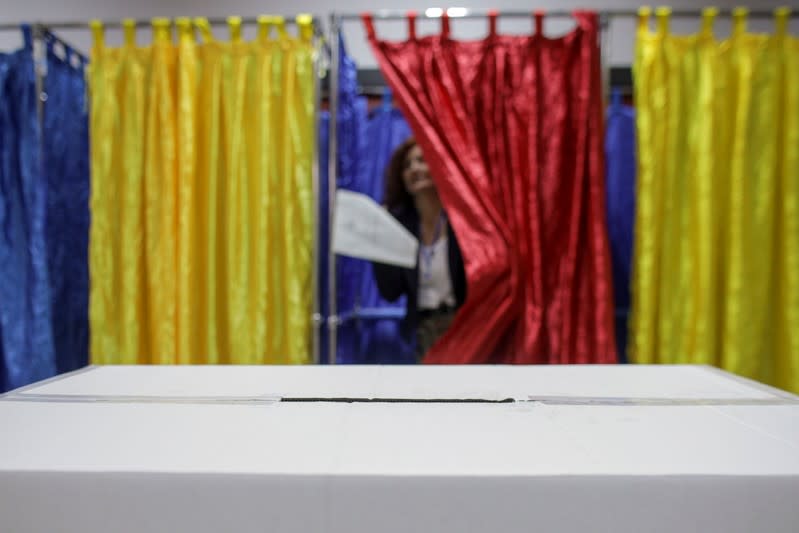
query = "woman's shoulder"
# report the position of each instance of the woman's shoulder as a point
(408, 217)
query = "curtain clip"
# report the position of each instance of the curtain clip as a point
(27, 35)
(234, 27)
(264, 25)
(280, 26)
(162, 30)
(412, 15)
(445, 24)
(644, 14)
(781, 16)
(739, 16)
(663, 15)
(539, 22)
(129, 31)
(184, 28)
(202, 24)
(369, 24)
(709, 15)
(492, 22)
(98, 33)
(305, 25)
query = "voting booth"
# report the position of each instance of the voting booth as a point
(570, 449)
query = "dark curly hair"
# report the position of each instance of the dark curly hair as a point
(397, 197)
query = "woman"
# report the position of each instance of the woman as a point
(437, 286)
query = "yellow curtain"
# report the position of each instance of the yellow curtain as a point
(716, 263)
(201, 237)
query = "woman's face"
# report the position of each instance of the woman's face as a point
(416, 175)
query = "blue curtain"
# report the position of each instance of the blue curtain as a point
(621, 163)
(369, 332)
(381, 340)
(28, 351)
(324, 235)
(66, 168)
(44, 216)
(351, 125)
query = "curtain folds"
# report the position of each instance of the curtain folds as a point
(202, 197)
(512, 130)
(369, 334)
(28, 351)
(620, 182)
(373, 334)
(381, 340)
(44, 213)
(716, 269)
(351, 120)
(324, 234)
(65, 149)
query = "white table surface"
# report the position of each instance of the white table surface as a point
(409, 381)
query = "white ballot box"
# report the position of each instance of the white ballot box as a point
(353, 449)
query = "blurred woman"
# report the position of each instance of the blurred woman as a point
(437, 286)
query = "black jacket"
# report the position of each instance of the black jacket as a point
(394, 281)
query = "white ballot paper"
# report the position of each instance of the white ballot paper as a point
(365, 230)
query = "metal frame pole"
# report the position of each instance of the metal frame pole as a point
(39, 65)
(604, 35)
(40, 71)
(429, 13)
(140, 23)
(332, 318)
(316, 317)
(467, 13)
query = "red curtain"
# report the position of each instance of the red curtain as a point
(511, 127)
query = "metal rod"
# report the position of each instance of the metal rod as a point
(387, 14)
(460, 13)
(466, 13)
(39, 66)
(332, 177)
(140, 23)
(316, 317)
(604, 38)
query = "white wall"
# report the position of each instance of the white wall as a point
(618, 44)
